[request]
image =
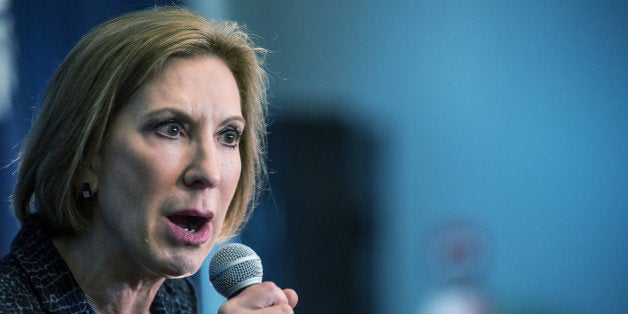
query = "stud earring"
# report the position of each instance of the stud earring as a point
(86, 190)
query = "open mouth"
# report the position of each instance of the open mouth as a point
(190, 224)
(191, 227)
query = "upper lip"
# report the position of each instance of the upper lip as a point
(207, 215)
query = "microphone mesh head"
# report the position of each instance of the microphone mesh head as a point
(233, 267)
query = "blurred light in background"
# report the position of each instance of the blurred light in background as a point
(7, 59)
(8, 84)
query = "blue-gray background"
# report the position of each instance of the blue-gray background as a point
(507, 120)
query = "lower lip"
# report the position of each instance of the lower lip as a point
(197, 238)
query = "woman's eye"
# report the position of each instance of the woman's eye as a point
(230, 137)
(170, 129)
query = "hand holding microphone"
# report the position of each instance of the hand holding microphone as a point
(236, 272)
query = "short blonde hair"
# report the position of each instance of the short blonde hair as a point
(99, 76)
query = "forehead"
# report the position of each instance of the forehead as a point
(199, 76)
(193, 84)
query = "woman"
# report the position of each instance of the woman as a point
(147, 151)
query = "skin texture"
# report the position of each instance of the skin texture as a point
(172, 148)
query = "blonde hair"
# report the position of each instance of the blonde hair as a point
(99, 76)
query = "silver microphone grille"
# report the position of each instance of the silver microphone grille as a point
(233, 267)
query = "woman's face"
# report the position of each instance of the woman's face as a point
(169, 168)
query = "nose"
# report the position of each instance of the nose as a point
(203, 171)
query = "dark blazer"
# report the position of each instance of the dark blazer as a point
(35, 278)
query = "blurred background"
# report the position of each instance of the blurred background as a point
(426, 156)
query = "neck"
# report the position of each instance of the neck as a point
(106, 274)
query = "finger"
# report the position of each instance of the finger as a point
(262, 295)
(292, 296)
(264, 298)
(282, 308)
(274, 293)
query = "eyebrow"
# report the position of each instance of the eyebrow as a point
(187, 118)
(161, 111)
(236, 118)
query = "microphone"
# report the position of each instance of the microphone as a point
(234, 267)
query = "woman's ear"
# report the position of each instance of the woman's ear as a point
(91, 174)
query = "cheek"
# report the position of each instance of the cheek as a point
(231, 175)
(133, 178)
(234, 169)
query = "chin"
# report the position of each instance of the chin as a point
(179, 276)
(179, 267)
